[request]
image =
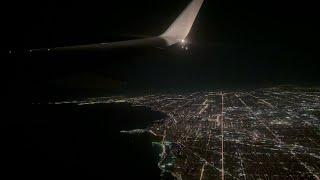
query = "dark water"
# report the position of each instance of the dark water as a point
(70, 141)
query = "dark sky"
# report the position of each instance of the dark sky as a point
(234, 43)
(59, 22)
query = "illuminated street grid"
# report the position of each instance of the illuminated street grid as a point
(262, 134)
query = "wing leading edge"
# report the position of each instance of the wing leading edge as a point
(176, 32)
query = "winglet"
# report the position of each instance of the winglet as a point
(180, 28)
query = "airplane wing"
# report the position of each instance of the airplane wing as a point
(177, 32)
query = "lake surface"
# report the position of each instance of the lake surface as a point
(71, 141)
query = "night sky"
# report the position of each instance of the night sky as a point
(235, 44)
